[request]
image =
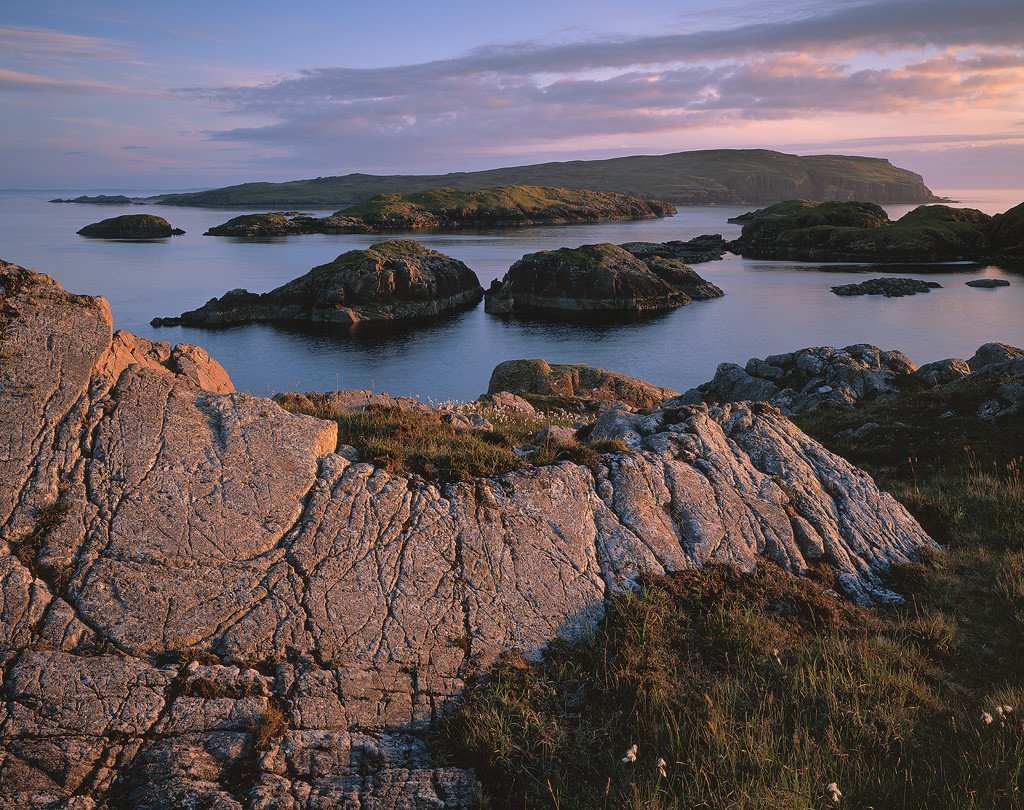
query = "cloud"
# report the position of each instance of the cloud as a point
(924, 55)
(17, 81)
(132, 147)
(45, 44)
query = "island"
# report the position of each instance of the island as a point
(501, 207)
(99, 199)
(855, 231)
(131, 226)
(600, 278)
(701, 177)
(389, 281)
(889, 287)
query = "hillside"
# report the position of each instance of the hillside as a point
(716, 176)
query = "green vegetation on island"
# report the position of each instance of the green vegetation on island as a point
(712, 176)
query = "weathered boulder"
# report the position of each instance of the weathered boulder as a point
(889, 287)
(595, 278)
(206, 605)
(388, 281)
(941, 372)
(131, 226)
(538, 377)
(988, 283)
(807, 379)
(996, 356)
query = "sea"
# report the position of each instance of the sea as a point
(770, 307)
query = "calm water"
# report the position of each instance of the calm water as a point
(769, 307)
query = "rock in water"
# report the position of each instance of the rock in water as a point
(388, 281)
(988, 283)
(889, 287)
(205, 605)
(596, 279)
(131, 226)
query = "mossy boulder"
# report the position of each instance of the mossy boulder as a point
(538, 378)
(131, 226)
(596, 278)
(388, 281)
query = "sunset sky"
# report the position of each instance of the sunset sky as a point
(163, 96)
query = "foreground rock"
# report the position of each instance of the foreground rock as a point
(586, 383)
(823, 376)
(596, 279)
(389, 281)
(131, 226)
(889, 287)
(504, 206)
(862, 232)
(206, 606)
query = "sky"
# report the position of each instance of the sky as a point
(165, 96)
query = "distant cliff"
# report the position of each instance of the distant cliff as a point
(716, 176)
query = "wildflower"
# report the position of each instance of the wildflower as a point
(1007, 709)
(661, 768)
(630, 754)
(775, 655)
(986, 718)
(834, 792)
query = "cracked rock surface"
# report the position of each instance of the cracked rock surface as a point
(204, 605)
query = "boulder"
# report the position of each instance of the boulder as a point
(941, 372)
(388, 281)
(206, 605)
(131, 226)
(592, 278)
(808, 379)
(538, 377)
(889, 287)
(994, 357)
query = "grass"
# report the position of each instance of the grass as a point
(422, 443)
(759, 690)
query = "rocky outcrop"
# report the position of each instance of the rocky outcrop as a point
(706, 248)
(889, 287)
(131, 226)
(388, 281)
(99, 199)
(205, 605)
(843, 378)
(1005, 234)
(504, 206)
(540, 378)
(596, 279)
(808, 379)
(862, 232)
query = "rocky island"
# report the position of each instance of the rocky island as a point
(702, 177)
(99, 199)
(211, 601)
(889, 287)
(389, 281)
(596, 279)
(501, 207)
(805, 230)
(131, 226)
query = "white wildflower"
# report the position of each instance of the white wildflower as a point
(1007, 709)
(630, 754)
(661, 768)
(986, 718)
(775, 655)
(834, 792)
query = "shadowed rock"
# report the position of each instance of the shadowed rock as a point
(386, 282)
(596, 279)
(538, 377)
(206, 605)
(988, 283)
(889, 287)
(131, 226)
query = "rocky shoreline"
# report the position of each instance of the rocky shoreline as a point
(210, 602)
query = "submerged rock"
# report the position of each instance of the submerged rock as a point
(131, 226)
(388, 281)
(206, 605)
(596, 279)
(889, 287)
(988, 283)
